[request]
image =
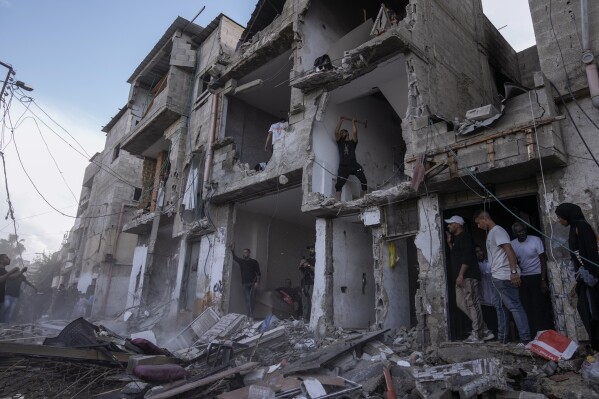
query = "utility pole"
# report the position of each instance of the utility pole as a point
(10, 72)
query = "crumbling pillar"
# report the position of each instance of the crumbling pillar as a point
(322, 297)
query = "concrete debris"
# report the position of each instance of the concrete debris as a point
(233, 359)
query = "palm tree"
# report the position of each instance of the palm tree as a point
(11, 247)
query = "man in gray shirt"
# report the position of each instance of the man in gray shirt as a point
(506, 278)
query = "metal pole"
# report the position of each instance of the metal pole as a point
(10, 72)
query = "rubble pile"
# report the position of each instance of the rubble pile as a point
(229, 357)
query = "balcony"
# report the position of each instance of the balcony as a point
(162, 111)
(140, 223)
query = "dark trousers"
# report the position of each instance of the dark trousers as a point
(537, 305)
(248, 291)
(345, 171)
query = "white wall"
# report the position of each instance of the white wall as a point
(352, 256)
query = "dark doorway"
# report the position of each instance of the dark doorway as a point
(526, 207)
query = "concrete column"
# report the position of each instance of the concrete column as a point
(157, 173)
(322, 297)
(431, 298)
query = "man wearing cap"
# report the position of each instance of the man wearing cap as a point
(306, 267)
(465, 265)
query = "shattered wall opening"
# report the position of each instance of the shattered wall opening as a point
(331, 28)
(379, 99)
(353, 276)
(277, 233)
(525, 207)
(260, 99)
(189, 280)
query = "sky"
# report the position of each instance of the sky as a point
(78, 55)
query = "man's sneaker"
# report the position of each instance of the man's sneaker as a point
(488, 335)
(473, 339)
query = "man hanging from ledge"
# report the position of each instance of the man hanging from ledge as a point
(348, 165)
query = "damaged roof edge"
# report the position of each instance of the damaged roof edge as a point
(262, 18)
(193, 30)
(115, 119)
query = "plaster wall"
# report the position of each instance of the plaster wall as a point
(321, 28)
(111, 289)
(230, 33)
(209, 50)
(353, 262)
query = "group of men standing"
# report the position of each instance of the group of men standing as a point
(10, 288)
(513, 280)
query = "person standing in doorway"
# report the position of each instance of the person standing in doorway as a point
(306, 267)
(465, 265)
(582, 242)
(506, 278)
(250, 278)
(485, 289)
(534, 291)
(348, 165)
(275, 133)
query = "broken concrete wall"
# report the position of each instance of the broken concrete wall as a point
(248, 126)
(353, 279)
(136, 277)
(565, 17)
(111, 289)
(529, 63)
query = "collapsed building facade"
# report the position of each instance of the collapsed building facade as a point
(197, 119)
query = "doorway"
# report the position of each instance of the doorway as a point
(526, 208)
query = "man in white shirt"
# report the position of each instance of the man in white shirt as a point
(506, 278)
(534, 290)
(275, 133)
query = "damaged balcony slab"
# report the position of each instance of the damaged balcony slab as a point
(151, 129)
(257, 185)
(359, 61)
(322, 206)
(268, 44)
(141, 224)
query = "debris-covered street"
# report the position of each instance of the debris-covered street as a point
(230, 358)
(301, 199)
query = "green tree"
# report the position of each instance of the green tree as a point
(11, 247)
(47, 266)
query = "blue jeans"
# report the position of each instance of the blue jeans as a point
(506, 299)
(248, 291)
(8, 308)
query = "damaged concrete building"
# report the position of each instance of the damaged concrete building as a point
(453, 120)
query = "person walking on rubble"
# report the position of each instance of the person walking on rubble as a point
(465, 264)
(4, 277)
(348, 165)
(582, 242)
(506, 278)
(250, 278)
(534, 291)
(12, 294)
(306, 267)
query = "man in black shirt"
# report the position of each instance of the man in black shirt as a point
(348, 165)
(4, 276)
(465, 265)
(307, 283)
(250, 277)
(12, 293)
